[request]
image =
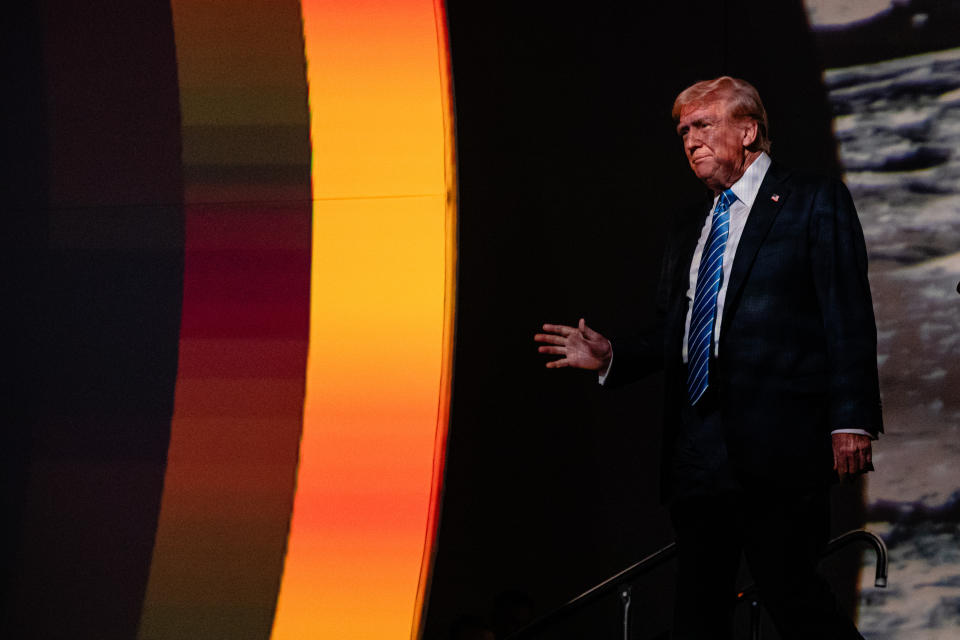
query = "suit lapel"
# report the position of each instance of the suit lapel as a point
(770, 199)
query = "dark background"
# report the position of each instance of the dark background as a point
(569, 170)
(92, 246)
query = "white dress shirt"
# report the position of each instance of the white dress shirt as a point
(745, 189)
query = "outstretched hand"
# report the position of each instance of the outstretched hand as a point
(852, 454)
(579, 346)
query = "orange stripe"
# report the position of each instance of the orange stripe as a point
(381, 322)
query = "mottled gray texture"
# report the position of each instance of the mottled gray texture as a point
(898, 125)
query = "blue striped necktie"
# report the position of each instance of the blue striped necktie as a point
(709, 277)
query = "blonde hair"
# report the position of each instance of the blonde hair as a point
(740, 98)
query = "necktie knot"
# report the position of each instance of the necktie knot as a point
(727, 198)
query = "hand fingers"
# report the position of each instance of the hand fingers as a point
(853, 463)
(555, 350)
(859, 456)
(846, 459)
(843, 465)
(557, 364)
(852, 454)
(561, 329)
(549, 338)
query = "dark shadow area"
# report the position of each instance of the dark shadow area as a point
(22, 198)
(93, 247)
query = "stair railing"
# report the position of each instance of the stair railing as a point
(622, 579)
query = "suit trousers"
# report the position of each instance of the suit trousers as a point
(780, 534)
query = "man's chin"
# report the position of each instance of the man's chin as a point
(704, 175)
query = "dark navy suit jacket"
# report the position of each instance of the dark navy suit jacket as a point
(798, 341)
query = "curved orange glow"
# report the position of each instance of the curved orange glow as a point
(378, 369)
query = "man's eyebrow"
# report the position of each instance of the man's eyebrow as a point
(698, 123)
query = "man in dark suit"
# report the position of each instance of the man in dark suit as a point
(767, 339)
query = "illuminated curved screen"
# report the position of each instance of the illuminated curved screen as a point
(301, 491)
(380, 321)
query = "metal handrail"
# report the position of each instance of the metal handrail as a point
(875, 541)
(749, 593)
(657, 558)
(633, 571)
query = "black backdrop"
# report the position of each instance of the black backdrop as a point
(569, 168)
(92, 249)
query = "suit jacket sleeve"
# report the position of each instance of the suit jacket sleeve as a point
(839, 263)
(641, 354)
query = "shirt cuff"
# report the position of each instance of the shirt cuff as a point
(860, 432)
(602, 375)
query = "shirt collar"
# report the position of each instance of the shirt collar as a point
(747, 187)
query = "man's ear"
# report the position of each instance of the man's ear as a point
(749, 132)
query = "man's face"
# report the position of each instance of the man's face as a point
(715, 143)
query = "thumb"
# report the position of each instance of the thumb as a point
(588, 333)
